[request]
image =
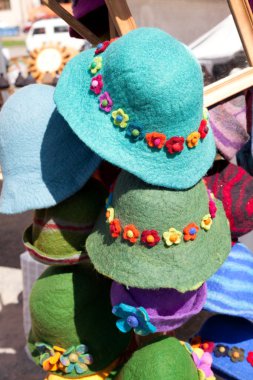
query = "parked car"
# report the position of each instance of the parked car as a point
(53, 31)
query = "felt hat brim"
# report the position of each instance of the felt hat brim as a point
(80, 108)
(43, 258)
(160, 267)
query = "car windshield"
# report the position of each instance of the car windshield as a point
(61, 29)
(39, 31)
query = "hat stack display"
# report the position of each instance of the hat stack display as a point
(130, 266)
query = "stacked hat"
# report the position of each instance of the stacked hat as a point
(163, 234)
(42, 160)
(73, 331)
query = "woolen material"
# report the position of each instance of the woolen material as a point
(184, 266)
(160, 360)
(71, 306)
(230, 288)
(43, 162)
(157, 81)
(228, 122)
(231, 332)
(58, 234)
(168, 309)
(234, 187)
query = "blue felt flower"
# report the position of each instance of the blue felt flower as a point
(135, 132)
(133, 318)
(76, 359)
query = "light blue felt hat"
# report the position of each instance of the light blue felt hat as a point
(230, 288)
(43, 161)
(138, 103)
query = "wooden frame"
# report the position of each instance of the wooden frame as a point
(234, 84)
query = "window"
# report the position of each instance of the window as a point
(61, 29)
(39, 31)
(4, 4)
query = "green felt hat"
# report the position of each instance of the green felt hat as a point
(70, 310)
(165, 359)
(159, 238)
(58, 234)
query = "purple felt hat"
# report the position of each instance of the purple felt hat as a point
(167, 309)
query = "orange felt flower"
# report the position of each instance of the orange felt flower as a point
(190, 232)
(115, 228)
(131, 233)
(51, 364)
(193, 139)
(155, 140)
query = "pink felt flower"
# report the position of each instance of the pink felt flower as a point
(150, 238)
(105, 102)
(97, 84)
(102, 46)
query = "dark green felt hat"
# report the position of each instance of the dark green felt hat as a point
(58, 234)
(159, 238)
(166, 359)
(71, 311)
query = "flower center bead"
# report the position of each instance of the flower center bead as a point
(205, 346)
(135, 132)
(150, 239)
(222, 349)
(104, 103)
(73, 358)
(192, 231)
(94, 83)
(99, 46)
(236, 355)
(119, 118)
(132, 321)
(207, 221)
(173, 238)
(130, 234)
(93, 65)
(177, 147)
(157, 142)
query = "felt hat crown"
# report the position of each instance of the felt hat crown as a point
(138, 103)
(159, 238)
(160, 360)
(58, 234)
(43, 162)
(165, 309)
(230, 288)
(70, 307)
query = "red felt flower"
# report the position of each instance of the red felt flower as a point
(175, 144)
(102, 46)
(155, 140)
(131, 233)
(207, 346)
(115, 228)
(150, 238)
(190, 232)
(250, 358)
(96, 84)
(203, 129)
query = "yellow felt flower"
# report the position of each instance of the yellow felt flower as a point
(120, 118)
(96, 65)
(109, 214)
(205, 113)
(172, 237)
(193, 139)
(206, 222)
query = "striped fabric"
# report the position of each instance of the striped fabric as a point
(230, 290)
(234, 187)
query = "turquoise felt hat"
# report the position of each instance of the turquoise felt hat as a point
(138, 103)
(43, 161)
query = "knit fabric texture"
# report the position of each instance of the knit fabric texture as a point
(234, 187)
(58, 234)
(71, 306)
(160, 89)
(233, 333)
(143, 208)
(230, 288)
(43, 162)
(228, 122)
(160, 360)
(168, 309)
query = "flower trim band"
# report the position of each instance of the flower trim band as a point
(55, 358)
(134, 131)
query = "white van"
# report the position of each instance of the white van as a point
(53, 30)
